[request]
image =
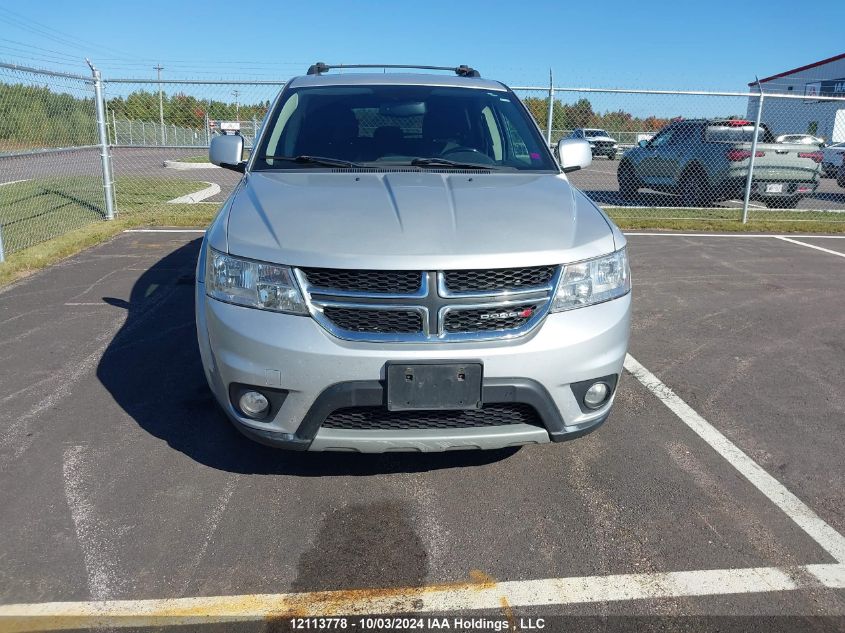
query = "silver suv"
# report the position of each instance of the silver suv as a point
(405, 266)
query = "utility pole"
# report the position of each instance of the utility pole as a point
(158, 68)
(236, 93)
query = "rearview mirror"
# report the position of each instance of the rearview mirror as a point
(573, 154)
(227, 151)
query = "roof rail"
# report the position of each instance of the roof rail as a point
(462, 71)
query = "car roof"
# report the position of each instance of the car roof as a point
(396, 79)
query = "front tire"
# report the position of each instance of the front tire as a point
(628, 183)
(694, 190)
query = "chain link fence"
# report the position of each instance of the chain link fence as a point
(693, 155)
(50, 175)
(657, 154)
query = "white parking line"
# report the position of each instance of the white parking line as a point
(458, 597)
(769, 235)
(818, 248)
(483, 593)
(822, 533)
(164, 231)
(14, 182)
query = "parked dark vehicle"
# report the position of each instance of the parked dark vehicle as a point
(707, 160)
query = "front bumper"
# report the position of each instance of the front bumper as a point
(321, 373)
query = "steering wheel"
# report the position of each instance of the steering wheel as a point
(476, 153)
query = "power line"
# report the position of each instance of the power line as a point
(68, 39)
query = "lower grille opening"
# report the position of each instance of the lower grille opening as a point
(379, 418)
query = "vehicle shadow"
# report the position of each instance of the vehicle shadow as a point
(836, 198)
(152, 369)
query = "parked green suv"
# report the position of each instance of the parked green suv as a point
(706, 161)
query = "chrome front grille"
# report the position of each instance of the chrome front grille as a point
(428, 306)
(487, 320)
(373, 281)
(384, 321)
(497, 279)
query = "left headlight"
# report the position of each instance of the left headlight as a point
(252, 284)
(593, 281)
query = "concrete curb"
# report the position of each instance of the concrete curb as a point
(175, 164)
(198, 196)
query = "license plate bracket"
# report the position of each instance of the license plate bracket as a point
(436, 386)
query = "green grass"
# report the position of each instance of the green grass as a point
(203, 158)
(769, 221)
(31, 259)
(193, 159)
(38, 210)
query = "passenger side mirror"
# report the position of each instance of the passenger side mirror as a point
(642, 143)
(227, 151)
(573, 154)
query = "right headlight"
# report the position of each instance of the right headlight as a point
(252, 284)
(593, 281)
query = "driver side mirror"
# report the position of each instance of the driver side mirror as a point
(227, 151)
(574, 154)
(643, 143)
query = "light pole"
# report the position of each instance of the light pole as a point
(236, 93)
(158, 68)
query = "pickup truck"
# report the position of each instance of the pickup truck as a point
(601, 143)
(707, 160)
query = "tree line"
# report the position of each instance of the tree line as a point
(34, 116)
(181, 109)
(567, 116)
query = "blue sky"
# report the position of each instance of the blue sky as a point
(604, 44)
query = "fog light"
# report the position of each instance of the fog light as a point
(596, 395)
(254, 404)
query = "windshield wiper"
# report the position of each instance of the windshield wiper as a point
(445, 162)
(314, 160)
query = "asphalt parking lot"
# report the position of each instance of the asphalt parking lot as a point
(716, 488)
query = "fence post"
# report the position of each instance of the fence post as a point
(551, 110)
(2, 250)
(748, 180)
(108, 185)
(114, 125)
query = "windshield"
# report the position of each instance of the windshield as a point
(381, 125)
(595, 133)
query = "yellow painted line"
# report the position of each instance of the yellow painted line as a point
(481, 593)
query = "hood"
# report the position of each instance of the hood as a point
(420, 220)
(600, 138)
